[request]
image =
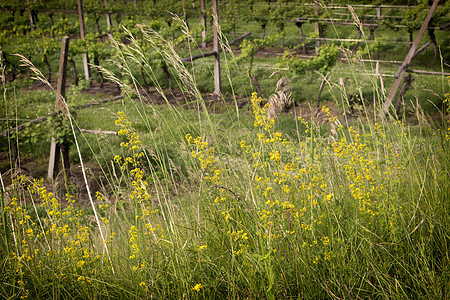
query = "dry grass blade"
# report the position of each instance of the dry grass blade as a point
(25, 62)
(355, 18)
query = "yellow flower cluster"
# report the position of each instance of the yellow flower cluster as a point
(359, 170)
(132, 144)
(331, 118)
(209, 164)
(285, 176)
(59, 236)
(363, 174)
(127, 131)
(261, 118)
(133, 233)
(240, 238)
(197, 287)
(131, 162)
(144, 227)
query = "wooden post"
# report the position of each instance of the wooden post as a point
(316, 25)
(14, 150)
(53, 160)
(380, 76)
(216, 49)
(87, 72)
(402, 70)
(60, 105)
(108, 16)
(31, 16)
(372, 32)
(379, 13)
(408, 80)
(299, 22)
(62, 75)
(202, 7)
(357, 43)
(322, 85)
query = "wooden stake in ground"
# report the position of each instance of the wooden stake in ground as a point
(322, 85)
(380, 76)
(202, 7)
(33, 13)
(379, 13)
(299, 23)
(87, 72)
(60, 105)
(402, 70)
(408, 80)
(316, 25)
(108, 16)
(216, 49)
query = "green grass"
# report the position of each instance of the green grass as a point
(199, 201)
(258, 244)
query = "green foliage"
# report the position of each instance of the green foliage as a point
(414, 16)
(378, 45)
(322, 62)
(94, 47)
(230, 14)
(249, 48)
(61, 130)
(218, 205)
(261, 14)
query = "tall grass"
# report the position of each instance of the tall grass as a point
(351, 209)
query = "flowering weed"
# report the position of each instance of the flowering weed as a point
(361, 213)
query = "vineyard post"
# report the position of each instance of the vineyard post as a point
(31, 16)
(216, 49)
(402, 69)
(322, 85)
(108, 16)
(60, 105)
(380, 76)
(87, 73)
(372, 32)
(408, 80)
(359, 37)
(202, 7)
(316, 25)
(299, 22)
(15, 158)
(379, 13)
